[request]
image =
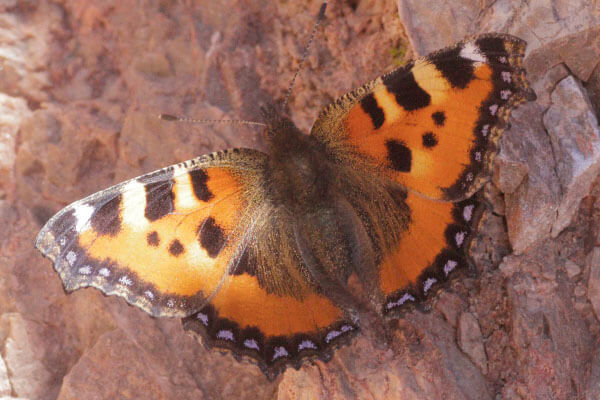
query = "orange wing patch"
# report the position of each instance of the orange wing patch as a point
(163, 241)
(274, 329)
(425, 149)
(430, 251)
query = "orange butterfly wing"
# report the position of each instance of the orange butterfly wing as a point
(273, 329)
(162, 241)
(431, 127)
(172, 243)
(431, 250)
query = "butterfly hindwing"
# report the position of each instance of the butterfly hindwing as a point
(269, 307)
(164, 240)
(273, 329)
(431, 250)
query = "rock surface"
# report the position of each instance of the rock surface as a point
(12, 112)
(81, 84)
(593, 388)
(527, 177)
(5, 389)
(593, 289)
(573, 128)
(470, 340)
(572, 269)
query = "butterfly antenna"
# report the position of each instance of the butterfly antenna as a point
(306, 49)
(169, 117)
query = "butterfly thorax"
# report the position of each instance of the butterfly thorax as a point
(299, 175)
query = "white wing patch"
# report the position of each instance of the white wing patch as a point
(83, 214)
(134, 205)
(470, 51)
(184, 196)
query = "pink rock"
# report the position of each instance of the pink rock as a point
(575, 135)
(470, 340)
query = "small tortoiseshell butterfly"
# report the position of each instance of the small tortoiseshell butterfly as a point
(255, 251)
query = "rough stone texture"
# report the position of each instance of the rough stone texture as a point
(96, 74)
(5, 389)
(12, 112)
(549, 338)
(124, 355)
(593, 388)
(423, 362)
(575, 138)
(545, 86)
(593, 88)
(593, 289)
(429, 27)
(572, 269)
(470, 340)
(24, 51)
(565, 48)
(450, 305)
(527, 176)
(29, 377)
(432, 24)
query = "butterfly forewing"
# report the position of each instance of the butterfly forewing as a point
(432, 126)
(162, 241)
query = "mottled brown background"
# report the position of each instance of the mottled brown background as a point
(80, 87)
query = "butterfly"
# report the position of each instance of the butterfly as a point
(256, 251)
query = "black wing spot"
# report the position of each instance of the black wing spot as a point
(429, 140)
(399, 155)
(212, 237)
(199, 179)
(492, 47)
(176, 248)
(407, 91)
(458, 70)
(246, 265)
(153, 239)
(107, 219)
(370, 106)
(439, 118)
(159, 199)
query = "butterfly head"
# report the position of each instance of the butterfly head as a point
(277, 124)
(298, 167)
